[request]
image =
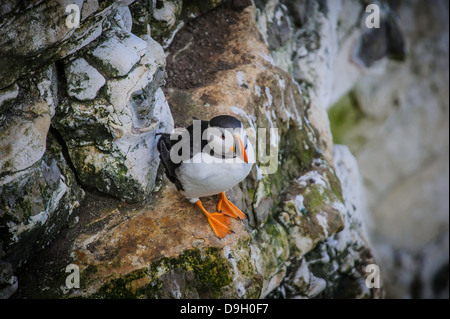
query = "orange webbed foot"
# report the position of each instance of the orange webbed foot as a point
(220, 223)
(226, 207)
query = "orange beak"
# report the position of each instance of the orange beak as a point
(240, 149)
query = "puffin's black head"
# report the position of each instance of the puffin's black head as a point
(225, 121)
(228, 137)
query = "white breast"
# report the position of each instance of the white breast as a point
(205, 175)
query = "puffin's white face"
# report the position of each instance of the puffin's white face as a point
(226, 142)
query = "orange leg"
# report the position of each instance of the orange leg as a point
(219, 223)
(227, 208)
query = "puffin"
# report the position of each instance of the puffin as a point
(208, 158)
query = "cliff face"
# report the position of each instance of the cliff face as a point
(80, 179)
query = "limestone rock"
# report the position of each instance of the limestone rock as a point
(38, 190)
(118, 53)
(336, 267)
(36, 203)
(111, 135)
(40, 185)
(83, 80)
(27, 49)
(25, 122)
(8, 95)
(308, 223)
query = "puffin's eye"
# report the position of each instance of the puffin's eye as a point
(223, 136)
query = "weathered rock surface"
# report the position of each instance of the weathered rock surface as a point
(83, 80)
(36, 34)
(163, 249)
(38, 190)
(110, 133)
(100, 94)
(264, 96)
(98, 139)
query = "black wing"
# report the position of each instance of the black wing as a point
(164, 145)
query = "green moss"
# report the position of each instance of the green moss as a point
(278, 239)
(8, 165)
(24, 205)
(251, 193)
(335, 186)
(121, 288)
(7, 106)
(80, 122)
(314, 199)
(267, 185)
(272, 242)
(289, 206)
(106, 174)
(121, 170)
(210, 268)
(297, 151)
(244, 262)
(90, 271)
(344, 115)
